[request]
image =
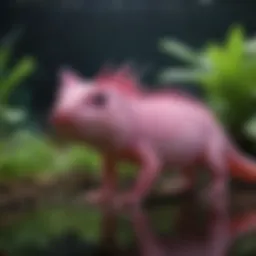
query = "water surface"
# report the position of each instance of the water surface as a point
(182, 228)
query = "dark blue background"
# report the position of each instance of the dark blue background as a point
(84, 34)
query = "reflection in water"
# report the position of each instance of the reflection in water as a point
(215, 241)
(177, 229)
(196, 232)
(108, 236)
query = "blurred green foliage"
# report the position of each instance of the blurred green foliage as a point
(33, 155)
(12, 75)
(39, 227)
(43, 225)
(25, 154)
(227, 73)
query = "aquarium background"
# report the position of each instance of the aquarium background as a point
(85, 34)
(40, 182)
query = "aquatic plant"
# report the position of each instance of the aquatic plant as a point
(227, 73)
(11, 77)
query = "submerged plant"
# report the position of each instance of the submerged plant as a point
(226, 72)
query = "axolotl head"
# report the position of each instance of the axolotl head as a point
(84, 111)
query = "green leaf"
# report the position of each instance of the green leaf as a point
(220, 106)
(235, 48)
(250, 46)
(180, 75)
(79, 157)
(21, 71)
(250, 128)
(216, 56)
(178, 50)
(235, 40)
(13, 116)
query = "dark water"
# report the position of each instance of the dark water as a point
(182, 228)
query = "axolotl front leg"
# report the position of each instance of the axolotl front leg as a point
(107, 190)
(150, 167)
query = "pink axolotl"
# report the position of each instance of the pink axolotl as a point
(154, 130)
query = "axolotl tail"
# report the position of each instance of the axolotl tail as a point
(241, 166)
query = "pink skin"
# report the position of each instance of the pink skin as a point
(152, 131)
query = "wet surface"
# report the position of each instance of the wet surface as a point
(179, 228)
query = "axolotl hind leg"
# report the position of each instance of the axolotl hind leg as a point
(218, 192)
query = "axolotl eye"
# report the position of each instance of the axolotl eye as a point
(98, 100)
